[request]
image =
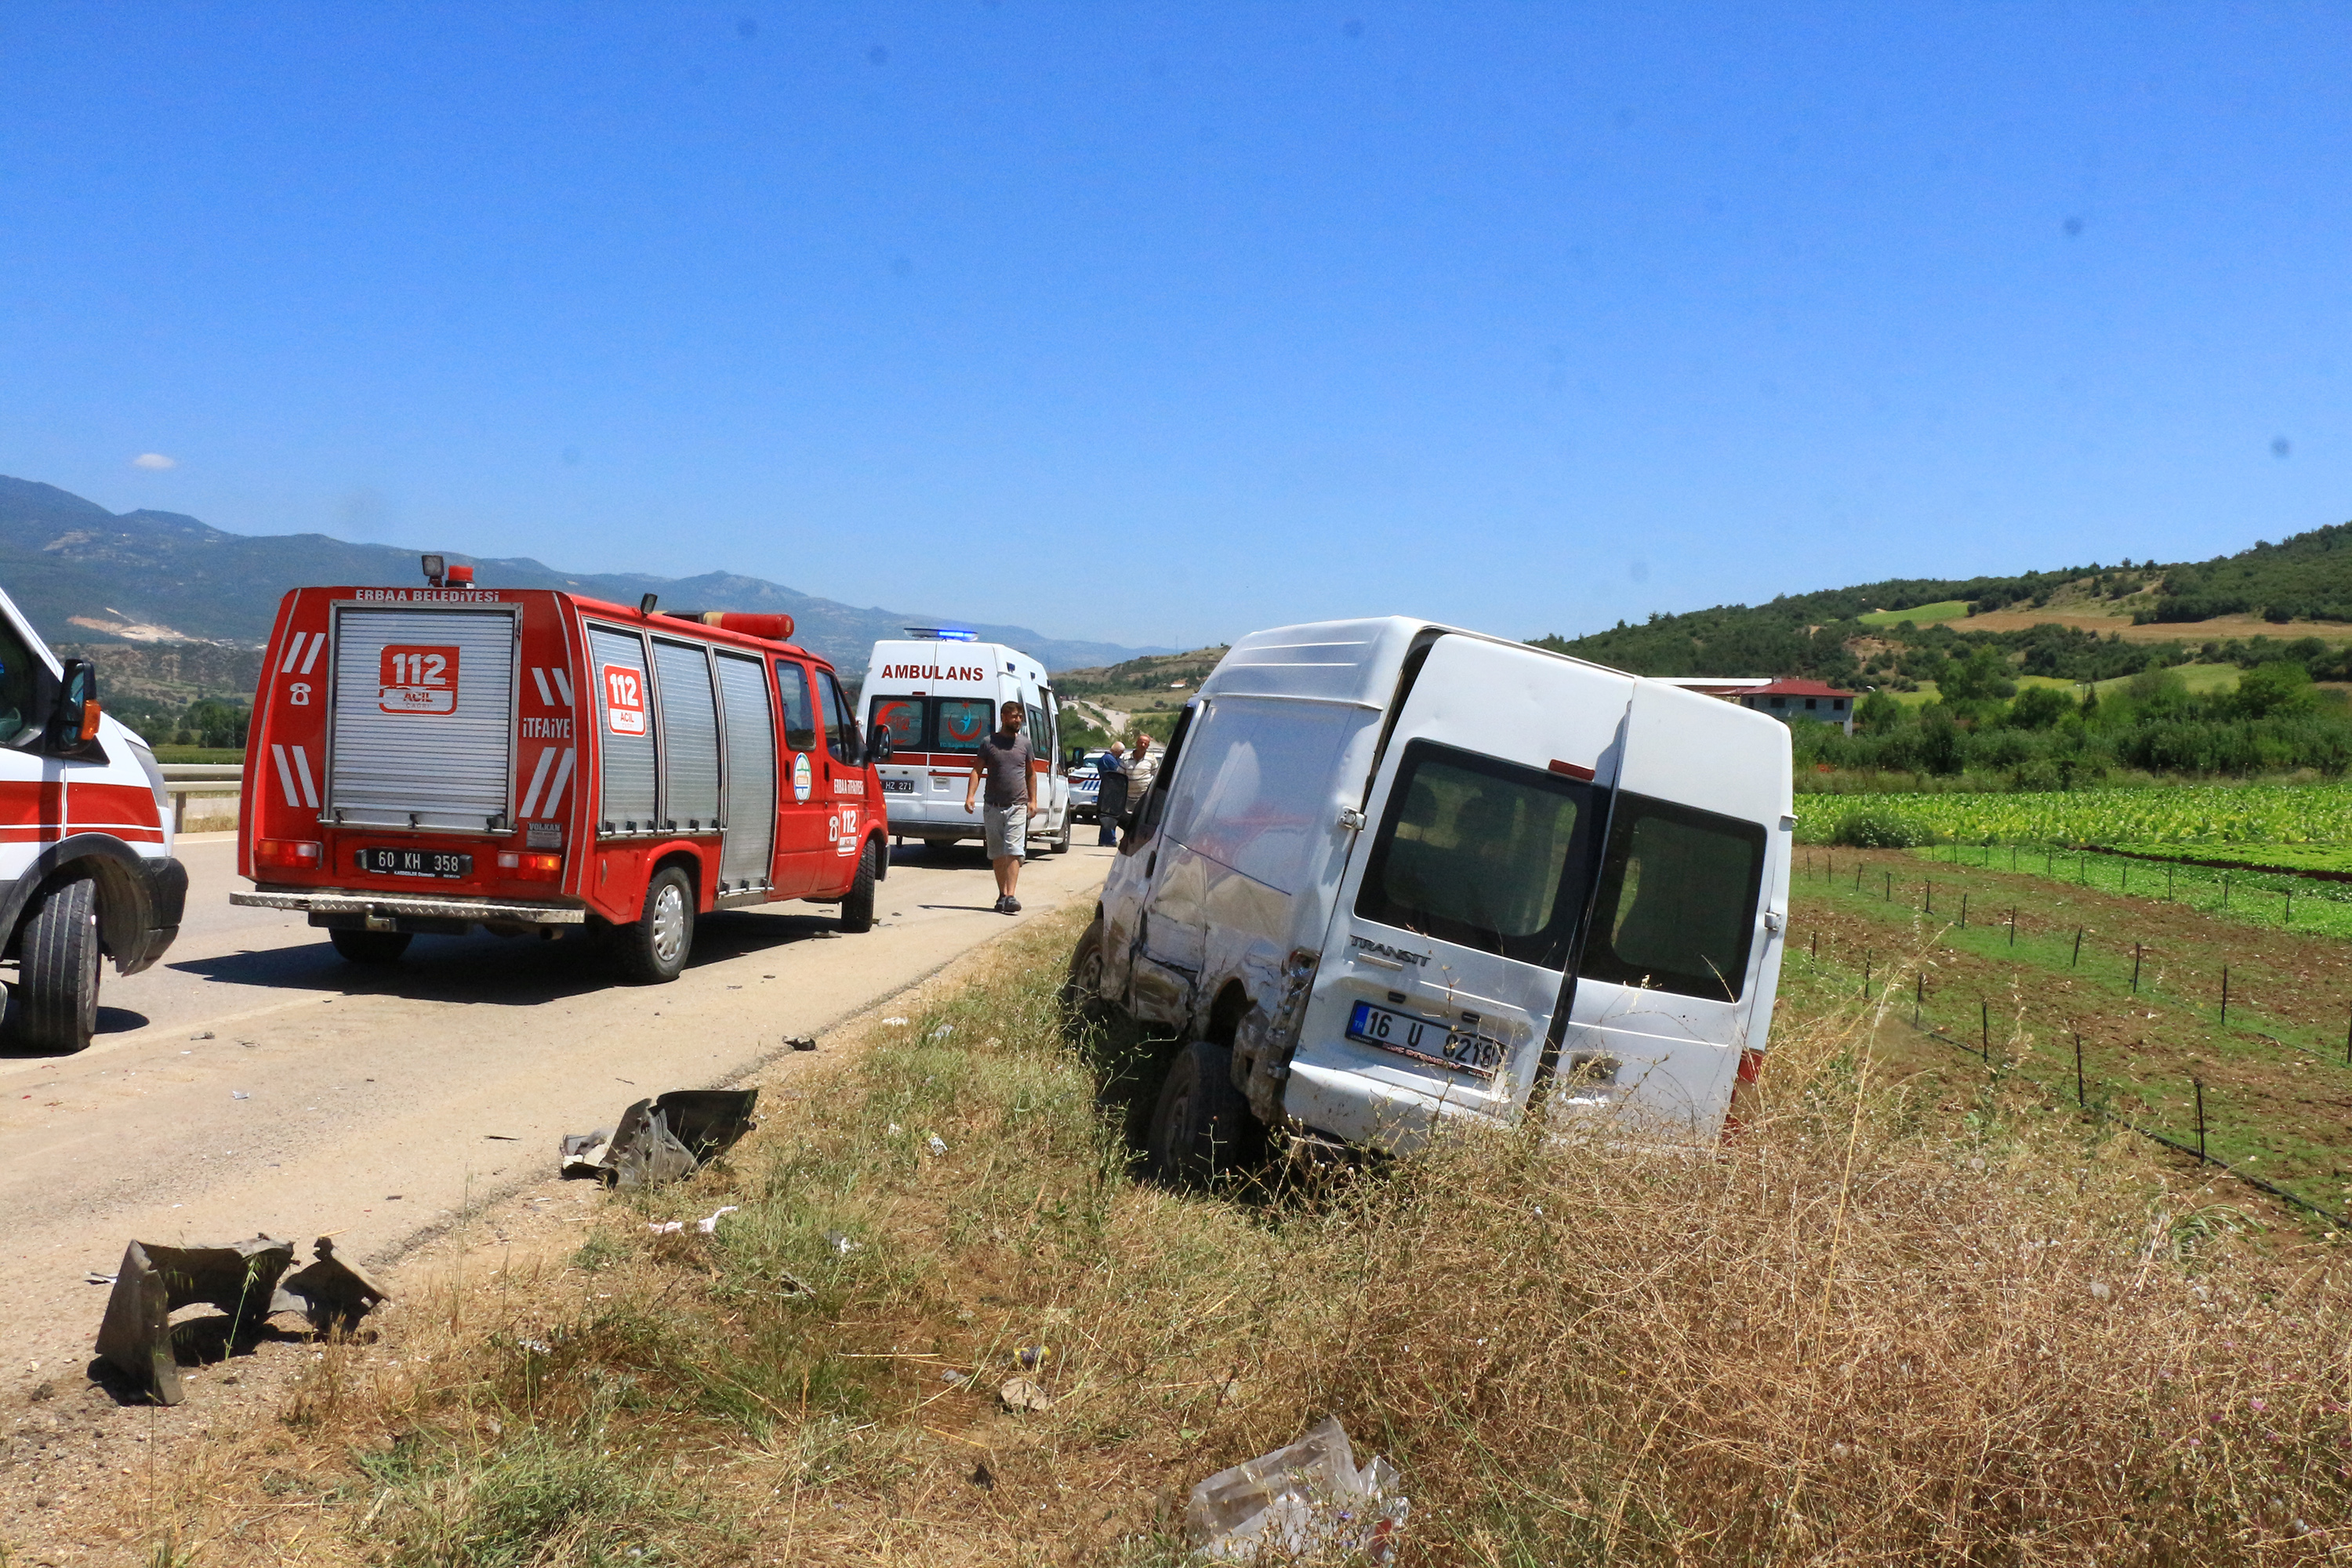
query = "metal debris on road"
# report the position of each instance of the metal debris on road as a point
(332, 1294)
(801, 1042)
(662, 1138)
(156, 1281)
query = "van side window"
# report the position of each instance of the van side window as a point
(15, 687)
(1677, 905)
(800, 711)
(1483, 853)
(1154, 805)
(1041, 736)
(840, 729)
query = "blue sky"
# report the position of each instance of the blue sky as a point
(1161, 323)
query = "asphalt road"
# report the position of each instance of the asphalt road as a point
(254, 1082)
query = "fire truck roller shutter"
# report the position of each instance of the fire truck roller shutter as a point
(751, 774)
(625, 736)
(424, 717)
(689, 737)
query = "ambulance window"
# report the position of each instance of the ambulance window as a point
(963, 721)
(1040, 739)
(1677, 904)
(900, 718)
(15, 686)
(800, 713)
(840, 730)
(1483, 853)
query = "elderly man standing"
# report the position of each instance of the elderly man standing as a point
(1003, 762)
(1142, 769)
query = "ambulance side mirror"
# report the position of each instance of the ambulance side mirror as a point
(69, 726)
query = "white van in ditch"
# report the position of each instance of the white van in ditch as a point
(935, 693)
(1391, 872)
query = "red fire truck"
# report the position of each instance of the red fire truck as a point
(428, 760)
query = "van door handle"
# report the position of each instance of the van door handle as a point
(1352, 819)
(1773, 919)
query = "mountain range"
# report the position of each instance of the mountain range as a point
(86, 574)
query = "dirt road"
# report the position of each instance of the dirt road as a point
(254, 1081)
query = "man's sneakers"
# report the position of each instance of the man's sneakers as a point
(1007, 905)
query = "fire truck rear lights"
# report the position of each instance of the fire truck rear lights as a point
(539, 867)
(295, 852)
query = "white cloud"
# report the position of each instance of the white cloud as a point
(154, 460)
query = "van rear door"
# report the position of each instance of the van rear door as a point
(423, 723)
(1684, 943)
(1459, 908)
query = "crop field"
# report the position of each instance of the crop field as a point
(2305, 857)
(2159, 815)
(2289, 899)
(1918, 615)
(2020, 969)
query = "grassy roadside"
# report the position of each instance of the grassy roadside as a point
(1870, 1330)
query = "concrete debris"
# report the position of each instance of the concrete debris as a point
(1022, 1396)
(662, 1138)
(1304, 1501)
(332, 1294)
(154, 1281)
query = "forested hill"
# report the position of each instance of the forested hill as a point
(1825, 634)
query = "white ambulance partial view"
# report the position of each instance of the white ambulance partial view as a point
(934, 693)
(1393, 872)
(85, 866)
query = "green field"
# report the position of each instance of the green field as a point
(1918, 615)
(2279, 857)
(2184, 815)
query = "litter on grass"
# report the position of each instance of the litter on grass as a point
(1306, 1500)
(662, 1138)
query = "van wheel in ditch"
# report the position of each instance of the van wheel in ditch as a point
(858, 904)
(370, 946)
(1061, 845)
(653, 949)
(56, 986)
(1202, 1126)
(1082, 992)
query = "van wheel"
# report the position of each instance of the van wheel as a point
(1062, 843)
(1202, 1126)
(370, 946)
(56, 988)
(858, 904)
(653, 949)
(1082, 992)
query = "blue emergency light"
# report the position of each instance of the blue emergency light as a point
(941, 634)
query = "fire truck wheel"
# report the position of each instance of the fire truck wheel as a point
(654, 949)
(858, 904)
(370, 946)
(56, 988)
(1202, 1126)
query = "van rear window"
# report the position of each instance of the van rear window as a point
(901, 718)
(962, 720)
(1482, 853)
(1677, 905)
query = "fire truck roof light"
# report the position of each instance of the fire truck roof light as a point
(433, 569)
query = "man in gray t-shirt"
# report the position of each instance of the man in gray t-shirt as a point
(1003, 762)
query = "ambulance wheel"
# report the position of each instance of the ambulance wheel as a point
(653, 950)
(1202, 1126)
(858, 904)
(370, 946)
(57, 983)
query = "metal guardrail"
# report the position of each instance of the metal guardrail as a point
(211, 780)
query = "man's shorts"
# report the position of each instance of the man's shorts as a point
(1008, 830)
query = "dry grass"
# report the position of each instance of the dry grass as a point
(1868, 1331)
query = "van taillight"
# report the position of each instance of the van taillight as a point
(1743, 1091)
(299, 853)
(538, 868)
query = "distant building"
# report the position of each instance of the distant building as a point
(1792, 700)
(1784, 700)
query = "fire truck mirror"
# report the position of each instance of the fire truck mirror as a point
(877, 750)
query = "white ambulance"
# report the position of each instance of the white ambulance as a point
(86, 865)
(1393, 872)
(934, 693)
